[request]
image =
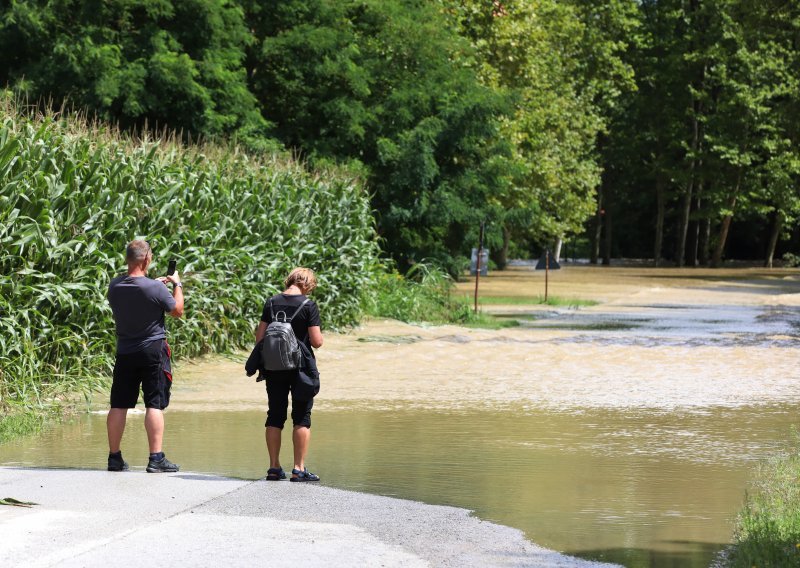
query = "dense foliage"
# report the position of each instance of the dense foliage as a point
(655, 128)
(385, 86)
(72, 195)
(561, 62)
(710, 138)
(137, 62)
(423, 294)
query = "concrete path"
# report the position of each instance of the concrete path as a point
(97, 518)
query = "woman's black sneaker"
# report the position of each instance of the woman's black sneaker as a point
(116, 463)
(304, 475)
(162, 466)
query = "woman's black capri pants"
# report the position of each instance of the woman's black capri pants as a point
(279, 385)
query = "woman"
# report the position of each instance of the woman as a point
(305, 323)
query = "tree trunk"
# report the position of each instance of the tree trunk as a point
(557, 249)
(694, 232)
(686, 206)
(661, 200)
(697, 109)
(716, 260)
(777, 225)
(500, 257)
(607, 239)
(704, 236)
(705, 241)
(598, 228)
(693, 241)
(683, 220)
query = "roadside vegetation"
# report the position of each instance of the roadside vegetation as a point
(767, 529)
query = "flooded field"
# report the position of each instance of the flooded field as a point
(624, 431)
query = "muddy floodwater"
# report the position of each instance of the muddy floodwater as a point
(624, 431)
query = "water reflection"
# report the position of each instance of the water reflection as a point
(690, 555)
(637, 487)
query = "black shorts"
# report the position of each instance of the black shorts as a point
(149, 368)
(279, 384)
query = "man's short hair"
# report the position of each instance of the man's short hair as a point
(302, 277)
(137, 251)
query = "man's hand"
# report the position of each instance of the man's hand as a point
(177, 292)
(174, 278)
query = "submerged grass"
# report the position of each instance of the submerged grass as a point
(533, 301)
(25, 421)
(483, 320)
(591, 326)
(767, 531)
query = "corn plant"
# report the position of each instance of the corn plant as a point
(73, 193)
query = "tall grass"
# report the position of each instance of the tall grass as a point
(73, 193)
(767, 531)
(425, 294)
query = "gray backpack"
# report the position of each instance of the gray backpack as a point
(281, 350)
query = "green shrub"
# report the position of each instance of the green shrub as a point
(790, 260)
(767, 529)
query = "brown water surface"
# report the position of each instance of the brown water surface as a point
(624, 432)
(645, 488)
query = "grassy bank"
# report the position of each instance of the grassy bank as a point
(73, 193)
(423, 295)
(768, 527)
(426, 294)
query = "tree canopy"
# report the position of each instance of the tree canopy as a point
(652, 128)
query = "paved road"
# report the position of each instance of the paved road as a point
(97, 518)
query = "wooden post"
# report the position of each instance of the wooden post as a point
(478, 267)
(546, 272)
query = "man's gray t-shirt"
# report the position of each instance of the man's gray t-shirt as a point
(139, 305)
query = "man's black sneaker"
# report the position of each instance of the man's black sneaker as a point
(161, 466)
(116, 463)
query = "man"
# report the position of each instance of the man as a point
(139, 304)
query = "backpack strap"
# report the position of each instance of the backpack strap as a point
(271, 311)
(297, 311)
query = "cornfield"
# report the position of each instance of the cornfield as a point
(73, 193)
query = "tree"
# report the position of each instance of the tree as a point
(136, 62)
(561, 63)
(711, 127)
(385, 86)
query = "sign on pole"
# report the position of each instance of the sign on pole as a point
(478, 258)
